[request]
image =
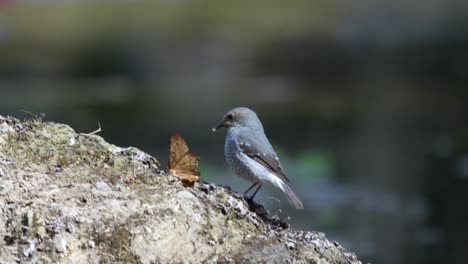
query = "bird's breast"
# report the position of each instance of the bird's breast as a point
(234, 157)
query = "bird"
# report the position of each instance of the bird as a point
(250, 154)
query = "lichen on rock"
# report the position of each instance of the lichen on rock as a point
(67, 197)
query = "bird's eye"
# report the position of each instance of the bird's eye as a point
(230, 117)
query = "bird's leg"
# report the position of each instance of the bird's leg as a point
(250, 188)
(253, 195)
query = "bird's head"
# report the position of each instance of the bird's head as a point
(240, 117)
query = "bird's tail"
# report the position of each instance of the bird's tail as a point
(292, 196)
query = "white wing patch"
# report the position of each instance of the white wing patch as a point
(261, 172)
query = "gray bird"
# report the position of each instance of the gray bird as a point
(250, 154)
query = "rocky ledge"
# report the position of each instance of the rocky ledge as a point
(67, 197)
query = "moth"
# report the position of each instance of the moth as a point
(182, 163)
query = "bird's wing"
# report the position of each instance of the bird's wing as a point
(262, 152)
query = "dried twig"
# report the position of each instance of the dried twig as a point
(33, 115)
(94, 132)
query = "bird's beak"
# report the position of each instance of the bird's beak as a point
(219, 126)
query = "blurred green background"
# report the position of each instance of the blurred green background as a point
(364, 101)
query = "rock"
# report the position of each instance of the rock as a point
(103, 187)
(75, 215)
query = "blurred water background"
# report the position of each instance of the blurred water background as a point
(364, 101)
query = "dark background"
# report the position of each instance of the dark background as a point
(364, 101)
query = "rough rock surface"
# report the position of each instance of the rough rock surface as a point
(74, 198)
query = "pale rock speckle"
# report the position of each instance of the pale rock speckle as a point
(6, 186)
(103, 187)
(60, 244)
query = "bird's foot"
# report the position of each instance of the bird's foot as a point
(248, 199)
(244, 196)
